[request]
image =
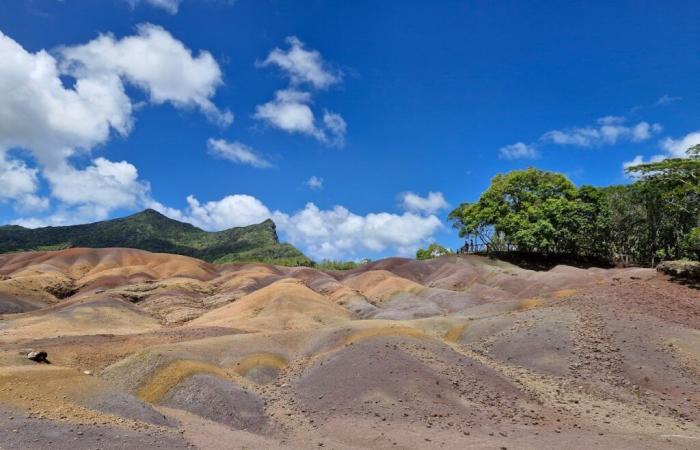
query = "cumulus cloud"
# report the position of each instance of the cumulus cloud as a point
(236, 152)
(170, 6)
(676, 147)
(290, 112)
(432, 203)
(231, 211)
(609, 130)
(39, 114)
(337, 232)
(54, 120)
(20, 183)
(518, 150)
(302, 65)
(331, 233)
(315, 182)
(102, 186)
(673, 148)
(169, 72)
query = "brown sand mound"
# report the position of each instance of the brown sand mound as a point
(283, 305)
(380, 285)
(78, 317)
(84, 263)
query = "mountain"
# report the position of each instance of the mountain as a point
(152, 231)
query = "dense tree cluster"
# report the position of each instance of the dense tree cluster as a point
(657, 217)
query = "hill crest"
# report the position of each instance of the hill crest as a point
(153, 231)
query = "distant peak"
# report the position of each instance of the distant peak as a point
(149, 212)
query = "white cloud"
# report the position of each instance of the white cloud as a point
(337, 232)
(637, 160)
(336, 126)
(170, 6)
(517, 151)
(331, 233)
(39, 114)
(432, 203)
(231, 211)
(315, 182)
(290, 112)
(608, 131)
(20, 183)
(666, 100)
(676, 147)
(156, 62)
(611, 120)
(236, 152)
(643, 131)
(54, 120)
(100, 187)
(302, 65)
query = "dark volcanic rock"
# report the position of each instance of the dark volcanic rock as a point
(40, 356)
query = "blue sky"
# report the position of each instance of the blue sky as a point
(354, 125)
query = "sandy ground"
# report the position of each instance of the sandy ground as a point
(161, 351)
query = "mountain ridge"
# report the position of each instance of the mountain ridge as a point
(152, 231)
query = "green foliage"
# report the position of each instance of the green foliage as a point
(667, 208)
(152, 231)
(655, 218)
(531, 210)
(434, 250)
(328, 264)
(690, 244)
(331, 264)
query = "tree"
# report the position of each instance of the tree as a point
(670, 193)
(528, 210)
(655, 218)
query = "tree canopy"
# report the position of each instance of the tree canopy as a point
(530, 210)
(654, 218)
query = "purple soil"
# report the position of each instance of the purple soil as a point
(382, 378)
(218, 400)
(14, 305)
(19, 432)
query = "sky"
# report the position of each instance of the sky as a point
(356, 126)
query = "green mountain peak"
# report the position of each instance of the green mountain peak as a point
(150, 230)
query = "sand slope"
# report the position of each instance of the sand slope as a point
(151, 350)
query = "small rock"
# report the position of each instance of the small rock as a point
(40, 356)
